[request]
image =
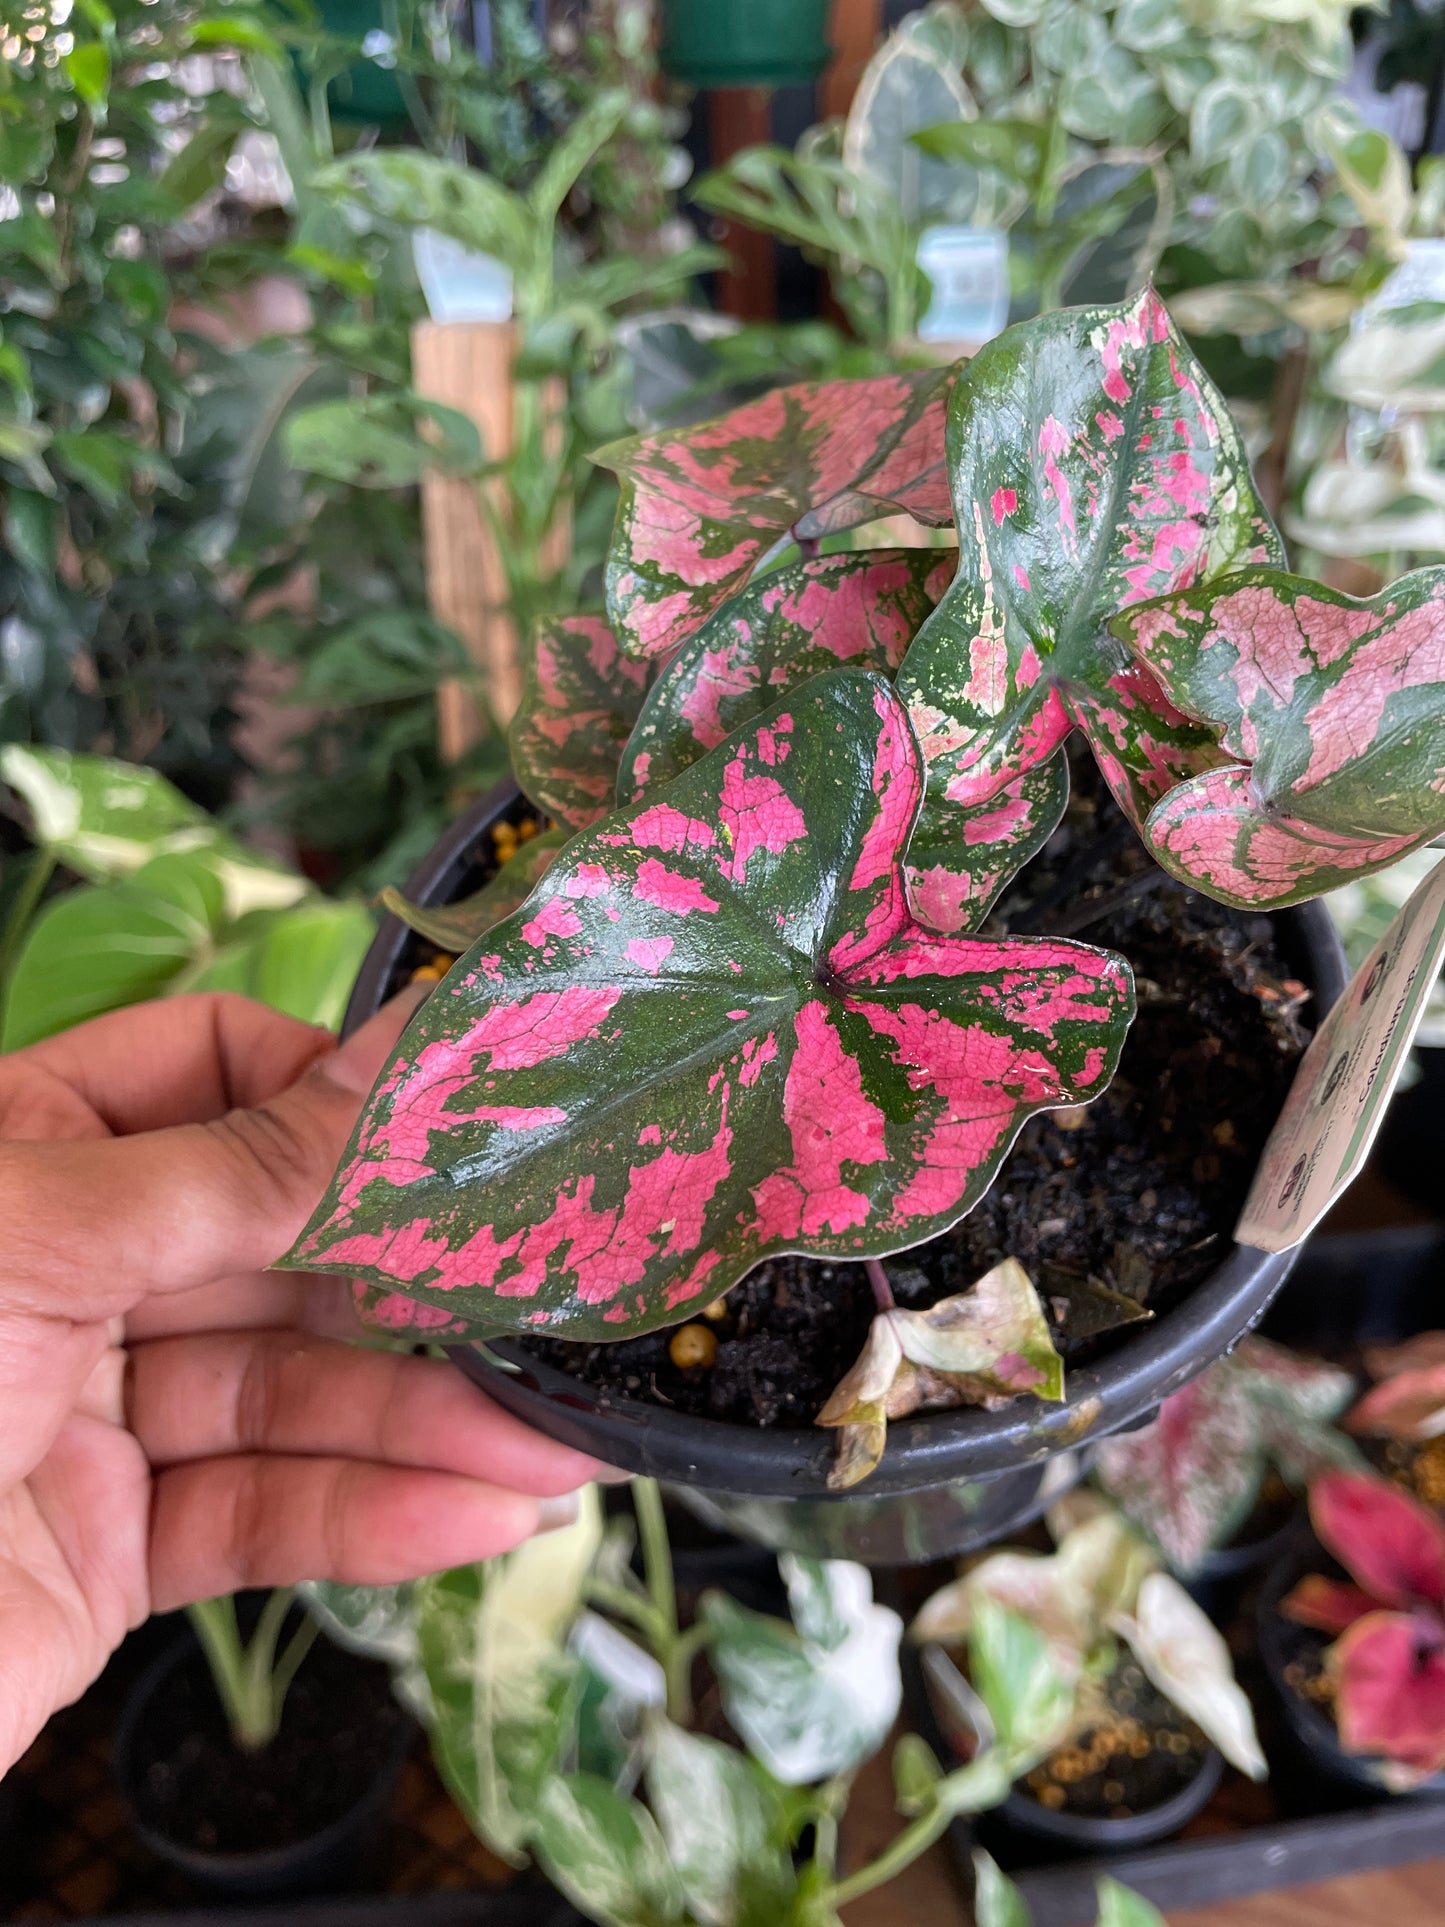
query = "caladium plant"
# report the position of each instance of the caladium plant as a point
(1189, 1479)
(700, 509)
(714, 1031)
(1407, 1401)
(1387, 1666)
(1093, 466)
(1331, 721)
(1103, 1580)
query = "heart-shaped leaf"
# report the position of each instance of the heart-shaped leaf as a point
(863, 609)
(725, 1826)
(713, 1032)
(990, 1342)
(1190, 1478)
(1334, 713)
(580, 699)
(1093, 465)
(701, 507)
(1393, 1546)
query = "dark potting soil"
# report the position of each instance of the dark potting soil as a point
(1115, 1209)
(1137, 1757)
(338, 1730)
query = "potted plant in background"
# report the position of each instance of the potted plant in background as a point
(1211, 1481)
(1046, 565)
(1148, 1697)
(1359, 1662)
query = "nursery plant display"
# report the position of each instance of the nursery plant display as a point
(1382, 1677)
(558, 1687)
(1193, 1479)
(781, 917)
(1210, 145)
(1132, 1653)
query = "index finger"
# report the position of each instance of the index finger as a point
(179, 1060)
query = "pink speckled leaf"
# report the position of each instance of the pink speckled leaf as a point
(580, 699)
(1333, 713)
(1190, 1478)
(1093, 465)
(713, 1032)
(700, 507)
(862, 609)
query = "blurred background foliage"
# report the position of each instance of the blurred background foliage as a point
(211, 450)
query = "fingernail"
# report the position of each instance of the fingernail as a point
(356, 1064)
(553, 1514)
(613, 1475)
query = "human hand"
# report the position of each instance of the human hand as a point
(175, 1421)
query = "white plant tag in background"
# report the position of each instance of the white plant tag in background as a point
(967, 268)
(1345, 1078)
(460, 284)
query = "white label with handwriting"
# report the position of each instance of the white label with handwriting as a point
(1338, 1098)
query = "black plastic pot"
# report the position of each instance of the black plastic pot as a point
(988, 1464)
(1311, 1728)
(326, 1862)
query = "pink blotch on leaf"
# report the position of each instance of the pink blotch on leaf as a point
(832, 1123)
(756, 813)
(1005, 501)
(669, 890)
(649, 953)
(554, 919)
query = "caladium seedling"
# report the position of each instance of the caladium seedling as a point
(580, 699)
(1407, 1401)
(1093, 466)
(1189, 1479)
(1388, 1665)
(984, 1345)
(1104, 1580)
(701, 508)
(713, 1032)
(1332, 720)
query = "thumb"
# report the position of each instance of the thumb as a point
(96, 1227)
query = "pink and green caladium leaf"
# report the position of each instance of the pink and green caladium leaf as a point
(580, 699)
(1190, 1478)
(1388, 1672)
(986, 1344)
(1093, 465)
(863, 609)
(1392, 1546)
(1332, 713)
(714, 1031)
(702, 506)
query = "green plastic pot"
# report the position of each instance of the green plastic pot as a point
(744, 43)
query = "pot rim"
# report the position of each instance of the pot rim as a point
(929, 1448)
(263, 1861)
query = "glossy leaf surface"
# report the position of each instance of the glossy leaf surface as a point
(603, 1850)
(818, 1697)
(863, 609)
(714, 1031)
(1334, 713)
(1190, 1478)
(700, 508)
(725, 1828)
(580, 699)
(1093, 466)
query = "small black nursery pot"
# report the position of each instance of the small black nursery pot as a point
(301, 1816)
(975, 1473)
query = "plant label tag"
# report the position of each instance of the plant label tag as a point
(1345, 1078)
(459, 283)
(967, 268)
